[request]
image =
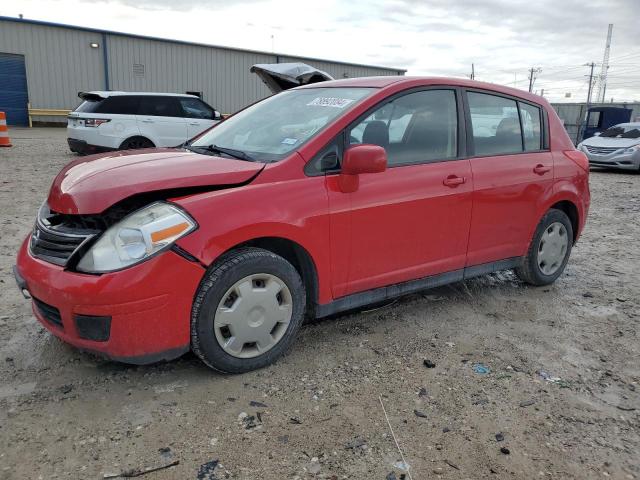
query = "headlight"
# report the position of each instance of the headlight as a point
(137, 237)
(633, 149)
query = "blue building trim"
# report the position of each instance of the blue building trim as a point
(105, 60)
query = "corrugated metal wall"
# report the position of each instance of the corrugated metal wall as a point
(60, 62)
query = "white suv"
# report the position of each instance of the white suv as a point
(127, 120)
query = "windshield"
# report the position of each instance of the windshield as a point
(622, 131)
(269, 130)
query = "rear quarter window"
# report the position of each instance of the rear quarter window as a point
(116, 105)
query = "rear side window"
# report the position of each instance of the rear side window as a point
(160, 106)
(495, 124)
(194, 108)
(419, 127)
(117, 104)
(88, 106)
(531, 126)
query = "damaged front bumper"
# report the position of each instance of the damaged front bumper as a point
(137, 315)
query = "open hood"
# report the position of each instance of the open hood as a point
(283, 76)
(90, 185)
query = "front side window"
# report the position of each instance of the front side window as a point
(271, 129)
(194, 108)
(419, 127)
(495, 124)
(531, 127)
(160, 106)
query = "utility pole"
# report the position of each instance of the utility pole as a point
(532, 79)
(586, 110)
(590, 91)
(602, 78)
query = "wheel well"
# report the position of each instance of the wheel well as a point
(137, 136)
(297, 256)
(572, 212)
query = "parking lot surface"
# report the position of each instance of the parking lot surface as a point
(549, 375)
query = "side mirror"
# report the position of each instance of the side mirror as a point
(364, 159)
(217, 115)
(597, 134)
(360, 159)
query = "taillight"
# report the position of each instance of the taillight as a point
(95, 122)
(578, 158)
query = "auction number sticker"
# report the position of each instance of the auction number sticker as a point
(330, 102)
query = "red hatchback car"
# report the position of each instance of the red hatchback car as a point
(317, 200)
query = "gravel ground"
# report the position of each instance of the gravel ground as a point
(65, 414)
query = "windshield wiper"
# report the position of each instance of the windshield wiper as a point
(239, 154)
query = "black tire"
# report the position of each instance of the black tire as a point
(229, 269)
(530, 271)
(135, 143)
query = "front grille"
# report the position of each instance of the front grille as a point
(53, 247)
(601, 150)
(56, 237)
(50, 314)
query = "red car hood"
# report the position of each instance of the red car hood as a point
(92, 184)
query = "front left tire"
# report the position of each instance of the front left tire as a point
(247, 311)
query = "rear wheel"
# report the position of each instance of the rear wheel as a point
(247, 311)
(549, 250)
(135, 143)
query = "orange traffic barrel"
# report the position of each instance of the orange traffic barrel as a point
(4, 131)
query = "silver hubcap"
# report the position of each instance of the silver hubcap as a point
(253, 315)
(552, 248)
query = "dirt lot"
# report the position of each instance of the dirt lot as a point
(65, 414)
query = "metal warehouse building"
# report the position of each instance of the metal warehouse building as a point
(47, 64)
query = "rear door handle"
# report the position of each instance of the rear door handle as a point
(453, 181)
(194, 123)
(147, 120)
(541, 169)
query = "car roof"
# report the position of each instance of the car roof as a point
(385, 81)
(109, 93)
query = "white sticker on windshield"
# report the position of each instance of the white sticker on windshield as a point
(289, 141)
(330, 102)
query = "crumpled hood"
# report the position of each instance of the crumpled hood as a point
(283, 76)
(92, 184)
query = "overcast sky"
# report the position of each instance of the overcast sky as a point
(504, 38)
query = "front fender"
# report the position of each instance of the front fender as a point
(295, 210)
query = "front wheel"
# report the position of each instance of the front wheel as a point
(549, 249)
(247, 311)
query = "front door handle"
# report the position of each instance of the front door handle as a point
(541, 169)
(147, 120)
(453, 181)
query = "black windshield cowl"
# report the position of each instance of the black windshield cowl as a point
(239, 154)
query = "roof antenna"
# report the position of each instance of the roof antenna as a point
(20, 16)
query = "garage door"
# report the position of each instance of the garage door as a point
(13, 88)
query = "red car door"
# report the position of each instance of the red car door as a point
(512, 174)
(413, 219)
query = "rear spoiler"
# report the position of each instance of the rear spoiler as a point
(90, 96)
